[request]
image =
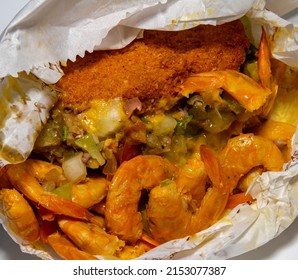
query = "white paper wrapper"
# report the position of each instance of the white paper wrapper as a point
(25, 104)
(286, 7)
(61, 30)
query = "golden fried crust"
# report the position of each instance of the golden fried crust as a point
(153, 66)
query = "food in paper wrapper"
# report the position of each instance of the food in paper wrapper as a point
(155, 140)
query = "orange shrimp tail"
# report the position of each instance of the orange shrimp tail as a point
(264, 64)
(149, 240)
(239, 198)
(62, 206)
(147, 243)
(212, 166)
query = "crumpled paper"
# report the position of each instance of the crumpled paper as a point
(25, 103)
(61, 30)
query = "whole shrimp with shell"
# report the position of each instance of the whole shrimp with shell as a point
(255, 96)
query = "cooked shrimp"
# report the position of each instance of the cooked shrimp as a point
(21, 217)
(246, 151)
(186, 191)
(87, 193)
(45, 171)
(28, 185)
(280, 133)
(167, 212)
(66, 249)
(90, 192)
(173, 214)
(143, 172)
(92, 240)
(249, 93)
(191, 179)
(90, 237)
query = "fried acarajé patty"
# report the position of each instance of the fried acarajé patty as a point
(152, 67)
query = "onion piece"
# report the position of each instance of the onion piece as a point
(131, 105)
(74, 169)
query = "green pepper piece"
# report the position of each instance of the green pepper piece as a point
(88, 144)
